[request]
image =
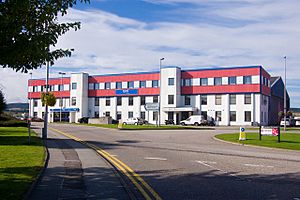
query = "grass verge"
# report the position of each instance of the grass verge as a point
(20, 163)
(288, 140)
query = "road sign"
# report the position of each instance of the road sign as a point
(269, 131)
(242, 134)
(152, 106)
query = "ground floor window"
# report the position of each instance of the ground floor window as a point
(96, 114)
(218, 116)
(232, 116)
(155, 116)
(247, 116)
(170, 115)
(119, 115)
(35, 114)
(130, 114)
(107, 114)
(204, 114)
(143, 115)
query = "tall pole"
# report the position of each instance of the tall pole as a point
(160, 83)
(45, 130)
(29, 111)
(60, 89)
(284, 93)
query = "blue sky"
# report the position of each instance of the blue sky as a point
(131, 35)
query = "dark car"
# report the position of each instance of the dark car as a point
(83, 120)
(142, 121)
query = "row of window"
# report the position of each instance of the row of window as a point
(130, 100)
(119, 85)
(232, 116)
(50, 88)
(217, 81)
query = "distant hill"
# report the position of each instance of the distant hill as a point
(17, 107)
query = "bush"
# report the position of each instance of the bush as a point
(13, 123)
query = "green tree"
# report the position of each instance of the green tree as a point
(27, 30)
(48, 98)
(2, 102)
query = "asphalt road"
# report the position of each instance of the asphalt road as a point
(190, 164)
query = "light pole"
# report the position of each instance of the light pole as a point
(159, 112)
(60, 89)
(284, 97)
(45, 130)
(29, 110)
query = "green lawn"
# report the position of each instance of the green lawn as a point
(287, 140)
(20, 163)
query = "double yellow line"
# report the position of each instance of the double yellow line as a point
(144, 188)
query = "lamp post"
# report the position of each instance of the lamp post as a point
(29, 110)
(159, 112)
(284, 97)
(60, 89)
(45, 130)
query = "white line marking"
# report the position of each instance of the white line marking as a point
(155, 158)
(253, 165)
(203, 163)
(114, 155)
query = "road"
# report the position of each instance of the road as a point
(190, 164)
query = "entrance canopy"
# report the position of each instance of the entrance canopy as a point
(180, 109)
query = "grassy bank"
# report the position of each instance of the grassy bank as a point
(20, 163)
(288, 140)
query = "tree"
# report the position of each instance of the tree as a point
(27, 30)
(2, 102)
(48, 98)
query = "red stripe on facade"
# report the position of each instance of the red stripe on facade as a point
(57, 94)
(101, 93)
(220, 89)
(265, 73)
(220, 73)
(56, 81)
(148, 91)
(124, 78)
(265, 90)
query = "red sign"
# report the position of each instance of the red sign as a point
(275, 131)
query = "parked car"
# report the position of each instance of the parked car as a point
(135, 121)
(37, 119)
(169, 121)
(297, 121)
(289, 122)
(84, 120)
(193, 120)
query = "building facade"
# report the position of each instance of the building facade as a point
(230, 96)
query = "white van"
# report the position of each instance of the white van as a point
(193, 120)
(297, 121)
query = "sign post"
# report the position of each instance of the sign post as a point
(152, 107)
(242, 134)
(269, 131)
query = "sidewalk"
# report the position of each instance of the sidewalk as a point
(76, 172)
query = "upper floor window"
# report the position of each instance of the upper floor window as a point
(232, 80)
(119, 101)
(187, 100)
(218, 81)
(203, 81)
(107, 101)
(91, 86)
(232, 99)
(142, 84)
(74, 86)
(97, 86)
(130, 101)
(35, 103)
(73, 101)
(247, 98)
(143, 100)
(218, 99)
(187, 82)
(60, 88)
(203, 99)
(247, 79)
(96, 101)
(107, 85)
(130, 84)
(170, 99)
(119, 85)
(155, 99)
(171, 81)
(155, 83)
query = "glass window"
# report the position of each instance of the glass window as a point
(232, 99)
(130, 84)
(203, 81)
(130, 101)
(107, 101)
(218, 99)
(35, 103)
(35, 114)
(96, 101)
(155, 116)
(60, 88)
(96, 114)
(143, 115)
(187, 100)
(187, 82)
(107, 85)
(247, 79)
(61, 102)
(142, 84)
(155, 99)
(97, 86)
(247, 98)
(232, 80)
(247, 116)
(107, 114)
(218, 81)
(170, 115)
(204, 114)
(232, 116)
(91, 86)
(218, 116)
(155, 83)
(130, 114)
(170, 99)
(143, 100)
(74, 86)
(119, 115)
(119, 101)
(73, 101)
(203, 99)
(171, 81)
(119, 85)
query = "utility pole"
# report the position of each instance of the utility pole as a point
(29, 111)
(159, 112)
(284, 97)
(45, 130)
(60, 89)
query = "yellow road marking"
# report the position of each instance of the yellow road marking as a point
(120, 165)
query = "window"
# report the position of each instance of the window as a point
(97, 86)
(60, 88)
(119, 85)
(155, 99)
(96, 101)
(60, 102)
(187, 82)
(247, 116)
(130, 114)
(218, 116)
(73, 101)
(119, 101)
(107, 101)
(155, 116)
(142, 84)
(155, 83)
(143, 115)
(35, 114)
(42, 88)
(218, 81)
(130, 84)
(33, 88)
(96, 114)
(171, 81)
(247, 79)
(91, 86)
(187, 100)
(203, 81)
(119, 115)
(232, 80)
(35, 103)
(218, 99)
(203, 99)
(107, 114)
(247, 98)
(74, 86)
(107, 85)
(232, 116)
(170, 115)
(232, 99)
(170, 99)
(204, 114)
(130, 101)
(143, 100)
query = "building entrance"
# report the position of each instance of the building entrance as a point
(64, 116)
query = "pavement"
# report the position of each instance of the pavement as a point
(76, 172)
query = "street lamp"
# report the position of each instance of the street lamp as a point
(159, 112)
(29, 110)
(284, 97)
(60, 89)
(45, 129)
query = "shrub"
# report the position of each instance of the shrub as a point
(13, 123)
